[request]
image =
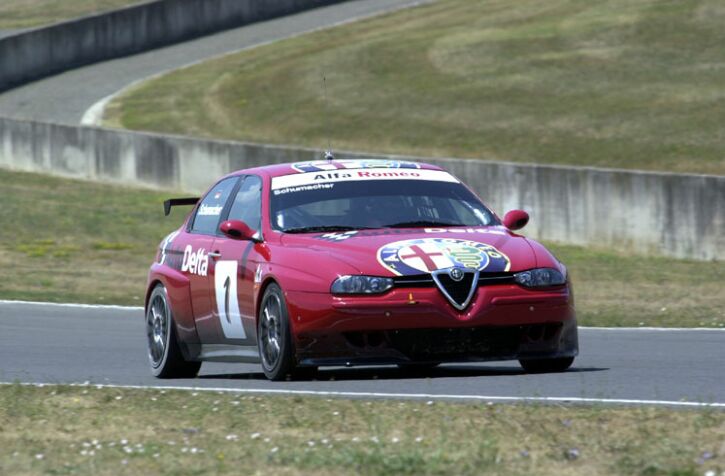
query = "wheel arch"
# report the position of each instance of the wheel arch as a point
(268, 280)
(178, 293)
(150, 289)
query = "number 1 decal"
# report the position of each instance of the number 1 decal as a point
(225, 288)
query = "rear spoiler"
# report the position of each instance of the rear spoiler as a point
(174, 202)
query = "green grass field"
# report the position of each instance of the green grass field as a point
(72, 241)
(89, 431)
(32, 13)
(610, 83)
(78, 241)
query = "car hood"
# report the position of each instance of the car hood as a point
(401, 252)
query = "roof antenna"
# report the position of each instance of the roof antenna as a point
(329, 156)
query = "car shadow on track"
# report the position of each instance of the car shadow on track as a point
(394, 373)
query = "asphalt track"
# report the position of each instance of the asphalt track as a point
(65, 98)
(41, 343)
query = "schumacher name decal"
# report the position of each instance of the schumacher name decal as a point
(281, 184)
(210, 210)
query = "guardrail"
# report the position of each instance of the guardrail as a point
(33, 54)
(667, 214)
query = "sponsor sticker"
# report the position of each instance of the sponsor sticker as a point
(258, 274)
(465, 230)
(342, 236)
(195, 262)
(321, 165)
(337, 236)
(165, 245)
(425, 255)
(329, 177)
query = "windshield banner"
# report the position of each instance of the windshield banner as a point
(308, 179)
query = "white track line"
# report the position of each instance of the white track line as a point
(139, 308)
(407, 396)
(654, 329)
(70, 304)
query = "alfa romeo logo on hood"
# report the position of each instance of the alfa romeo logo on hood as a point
(426, 255)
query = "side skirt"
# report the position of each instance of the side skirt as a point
(229, 353)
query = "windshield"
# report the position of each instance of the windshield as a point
(354, 205)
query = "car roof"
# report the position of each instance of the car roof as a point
(278, 170)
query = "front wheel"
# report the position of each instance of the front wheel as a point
(274, 336)
(538, 366)
(165, 357)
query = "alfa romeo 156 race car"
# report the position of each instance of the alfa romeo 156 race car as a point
(339, 262)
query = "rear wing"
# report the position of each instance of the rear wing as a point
(175, 202)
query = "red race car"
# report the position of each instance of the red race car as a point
(341, 262)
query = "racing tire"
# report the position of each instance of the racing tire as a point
(165, 357)
(539, 366)
(274, 337)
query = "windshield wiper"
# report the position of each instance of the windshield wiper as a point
(421, 223)
(320, 228)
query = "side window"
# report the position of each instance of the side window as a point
(211, 207)
(247, 205)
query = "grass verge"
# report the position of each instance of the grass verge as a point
(72, 241)
(16, 14)
(612, 83)
(63, 430)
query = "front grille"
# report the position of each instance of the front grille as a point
(450, 344)
(426, 281)
(414, 281)
(459, 291)
(422, 344)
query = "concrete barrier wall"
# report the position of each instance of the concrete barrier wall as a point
(45, 51)
(653, 213)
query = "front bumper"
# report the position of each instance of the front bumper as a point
(503, 322)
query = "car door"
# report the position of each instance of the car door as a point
(232, 275)
(198, 257)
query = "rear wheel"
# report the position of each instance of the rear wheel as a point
(537, 366)
(165, 357)
(275, 337)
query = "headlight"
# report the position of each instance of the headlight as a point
(361, 285)
(540, 277)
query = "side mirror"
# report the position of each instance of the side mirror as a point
(515, 219)
(237, 230)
